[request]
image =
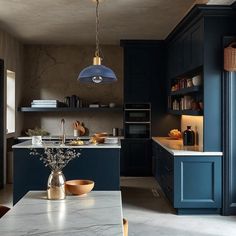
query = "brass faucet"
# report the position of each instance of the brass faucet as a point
(63, 138)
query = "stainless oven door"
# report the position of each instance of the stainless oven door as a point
(137, 115)
(137, 130)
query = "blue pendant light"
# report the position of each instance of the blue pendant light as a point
(97, 73)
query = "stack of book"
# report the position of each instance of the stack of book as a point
(45, 103)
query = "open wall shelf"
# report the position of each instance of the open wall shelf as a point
(70, 109)
(186, 112)
(184, 91)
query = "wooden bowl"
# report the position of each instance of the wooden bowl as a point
(103, 134)
(79, 186)
(176, 137)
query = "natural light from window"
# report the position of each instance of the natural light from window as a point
(10, 106)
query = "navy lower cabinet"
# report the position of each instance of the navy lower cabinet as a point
(102, 165)
(193, 184)
(197, 184)
(136, 159)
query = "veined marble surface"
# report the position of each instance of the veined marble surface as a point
(97, 213)
(53, 144)
(176, 148)
(67, 137)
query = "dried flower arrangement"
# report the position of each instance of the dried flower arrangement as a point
(37, 132)
(56, 158)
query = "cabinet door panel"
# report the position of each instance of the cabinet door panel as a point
(196, 46)
(137, 155)
(186, 52)
(138, 74)
(197, 182)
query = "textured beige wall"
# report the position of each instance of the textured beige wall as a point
(50, 72)
(11, 51)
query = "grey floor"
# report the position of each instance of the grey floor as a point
(150, 214)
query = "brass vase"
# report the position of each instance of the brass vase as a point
(56, 186)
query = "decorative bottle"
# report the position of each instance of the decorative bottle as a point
(189, 137)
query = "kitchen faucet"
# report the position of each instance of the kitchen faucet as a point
(63, 138)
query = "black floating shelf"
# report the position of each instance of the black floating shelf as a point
(70, 109)
(186, 112)
(183, 91)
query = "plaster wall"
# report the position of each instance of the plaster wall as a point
(11, 51)
(51, 71)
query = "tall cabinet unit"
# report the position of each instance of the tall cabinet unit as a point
(144, 82)
(195, 45)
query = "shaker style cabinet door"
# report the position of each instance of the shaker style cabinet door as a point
(138, 63)
(137, 157)
(185, 51)
(197, 182)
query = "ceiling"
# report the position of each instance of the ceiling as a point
(73, 21)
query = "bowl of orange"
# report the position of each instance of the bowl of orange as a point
(175, 134)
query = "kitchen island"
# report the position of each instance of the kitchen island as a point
(88, 214)
(100, 163)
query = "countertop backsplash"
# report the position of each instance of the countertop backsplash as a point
(94, 121)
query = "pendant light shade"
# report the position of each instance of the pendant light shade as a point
(97, 73)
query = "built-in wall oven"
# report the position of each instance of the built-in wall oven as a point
(137, 120)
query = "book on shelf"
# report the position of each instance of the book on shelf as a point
(44, 105)
(45, 101)
(94, 106)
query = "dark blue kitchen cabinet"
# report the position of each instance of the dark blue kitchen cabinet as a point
(185, 50)
(200, 37)
(102, 165)
(164, 170)
(144, 82)
(136, 157)
(197, 183)
(143, 66)
(193, 184)
(137, 86)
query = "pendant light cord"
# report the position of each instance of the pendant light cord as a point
(97, 30)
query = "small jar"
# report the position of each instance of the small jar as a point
(189, 83)
(76, 133)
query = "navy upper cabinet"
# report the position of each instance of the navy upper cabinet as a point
(185, 50)
(137, 84)
(196, 39)
(143, 70)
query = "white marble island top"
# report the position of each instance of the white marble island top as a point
(97, 213)
(54, 144)
(176, 148)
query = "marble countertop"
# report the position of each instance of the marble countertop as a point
(97, 213)
(55, 144)
(67, 137)
(176, 148)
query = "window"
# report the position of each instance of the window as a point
(10, 119)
